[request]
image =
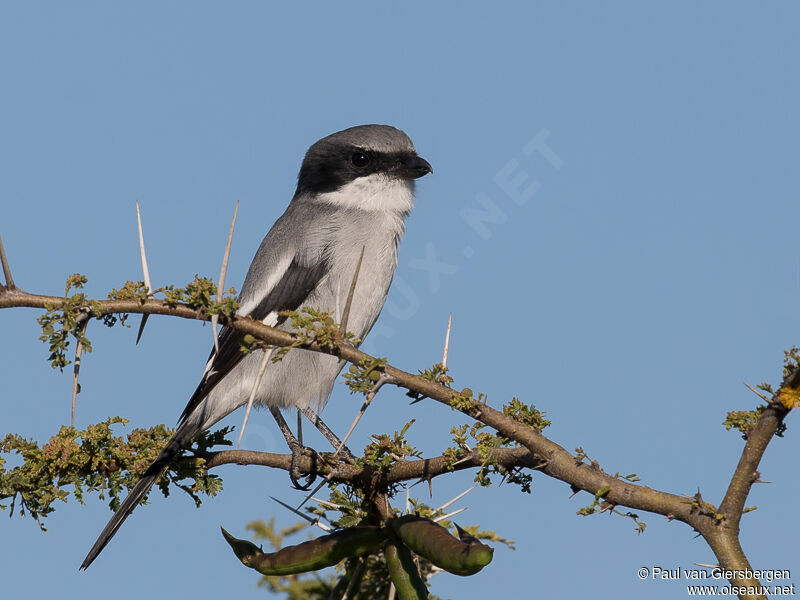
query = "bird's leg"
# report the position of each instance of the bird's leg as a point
(329, 435)
(297, 450)
(299, 427)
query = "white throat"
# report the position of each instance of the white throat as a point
(374, 193)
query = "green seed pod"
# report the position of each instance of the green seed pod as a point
(322, 552)
(404, 573)
(432, 541)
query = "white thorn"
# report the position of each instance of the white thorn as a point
(408, 500)
(447, 341)
(145, 270)
(448, 515)
(350, 294)
(756, 392)
(221, 285)
(261, 368)
(142, 253)
(303, 516)
(456, 499)
(462, 460)
(6, 269)
(326, 503)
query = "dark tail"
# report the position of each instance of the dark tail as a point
(183, 435)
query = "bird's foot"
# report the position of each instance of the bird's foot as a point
(295, 475)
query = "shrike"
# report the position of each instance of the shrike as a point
(354, 191)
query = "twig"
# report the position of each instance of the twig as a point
(6, 269)
(356, 576)
(447, 341)
(75, 386)
(303, 516)
(222, 271)
(346, 313)
(261, 368)
(145, 270)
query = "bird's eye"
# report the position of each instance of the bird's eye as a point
(359, 159)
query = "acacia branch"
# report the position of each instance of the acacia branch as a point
(719, 527)
(560, 463)
(374, 477)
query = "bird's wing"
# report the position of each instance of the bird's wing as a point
(289, 292)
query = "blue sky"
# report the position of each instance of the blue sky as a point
(649, 271)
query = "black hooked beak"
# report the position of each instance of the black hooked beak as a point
(413, 167)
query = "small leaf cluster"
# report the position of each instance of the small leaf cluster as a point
(744, 420)
(60, 323)
(309, 326)
(597, 504)
(464, 400)
(706, 508)
(199, 294)
(385, 450)
(94, 460)
(438, 374)
(66, 320)
(485, 443)
(525, 414)
(130, 290)
(600, 505)
(361, 378)
(791, 361)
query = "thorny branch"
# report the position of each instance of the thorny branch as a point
(718, 526)
(371, 477)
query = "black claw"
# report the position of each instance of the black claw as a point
(294, 470)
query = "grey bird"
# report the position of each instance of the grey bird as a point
(354, 191)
